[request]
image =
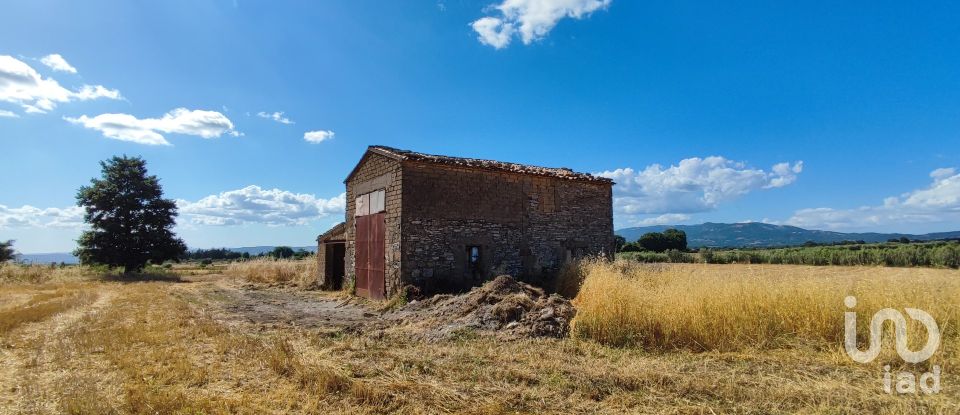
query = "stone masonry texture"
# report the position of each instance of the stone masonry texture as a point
(524, 221)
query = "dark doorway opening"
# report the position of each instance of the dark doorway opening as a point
(335, 266)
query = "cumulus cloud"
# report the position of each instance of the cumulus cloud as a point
(8, 114)
(937, 203)
(276, 116)
(493, 31)
(20, 84)
(665, 219)
(125, 127)
(57, 63)
(694, 185)
(784, 174)
(318, 136)
(32, 217)
(530, 19)
(253, 204)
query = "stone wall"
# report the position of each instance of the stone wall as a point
(373, 173)
(322, 277)
(525, 225)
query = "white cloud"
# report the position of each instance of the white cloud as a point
(125, 127)
(530, 19)
(8, 114)
(57, 63)
(255, 205)
(22, 85)
(493, 31)
(276, 116)
(665, 219)
(33, 217)
(694, 185)
(784, 174)
(318, 136)
(250, 204)
(937, 203)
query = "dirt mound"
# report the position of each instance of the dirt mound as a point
(504, 305)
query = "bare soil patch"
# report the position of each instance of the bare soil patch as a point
(502, 307)
(282, 306)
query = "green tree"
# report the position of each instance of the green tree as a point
(631, 247)
(6, 251)
(619, 242)
(653, 241)
(661, 242)
(302, 253)
(130, 221)
(676, 239)
(282, 252)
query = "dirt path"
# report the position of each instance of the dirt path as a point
(233, 301)
(23, 354)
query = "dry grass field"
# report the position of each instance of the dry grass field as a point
(301, 273)
(699, 339)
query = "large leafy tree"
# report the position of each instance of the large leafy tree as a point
(6, 251)
(282, 252)
(677, 239)
(130, 221)
(659, 242)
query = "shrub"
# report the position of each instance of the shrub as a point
(631, 247)
(678, 257)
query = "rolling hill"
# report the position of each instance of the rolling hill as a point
(755, 234)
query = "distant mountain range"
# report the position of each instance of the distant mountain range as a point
(755, 234)
(67, 258)
(724, 235)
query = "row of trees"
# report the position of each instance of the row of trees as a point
(670, 239)
(217, 254)
(945, 254)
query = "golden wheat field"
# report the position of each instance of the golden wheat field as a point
(699, 339)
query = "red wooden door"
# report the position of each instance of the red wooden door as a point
(377, 256)
(370, 256)
(361, 263)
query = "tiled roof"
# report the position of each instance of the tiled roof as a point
(335, 231)
(560, 172)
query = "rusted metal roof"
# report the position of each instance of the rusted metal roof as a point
(559, 172)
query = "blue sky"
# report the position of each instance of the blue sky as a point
(822, 115)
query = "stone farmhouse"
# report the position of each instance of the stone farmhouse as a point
(444, 224)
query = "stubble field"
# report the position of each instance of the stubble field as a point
(647, 339)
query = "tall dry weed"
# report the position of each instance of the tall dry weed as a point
(11, 273)
(740, 308)
(302, 273)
